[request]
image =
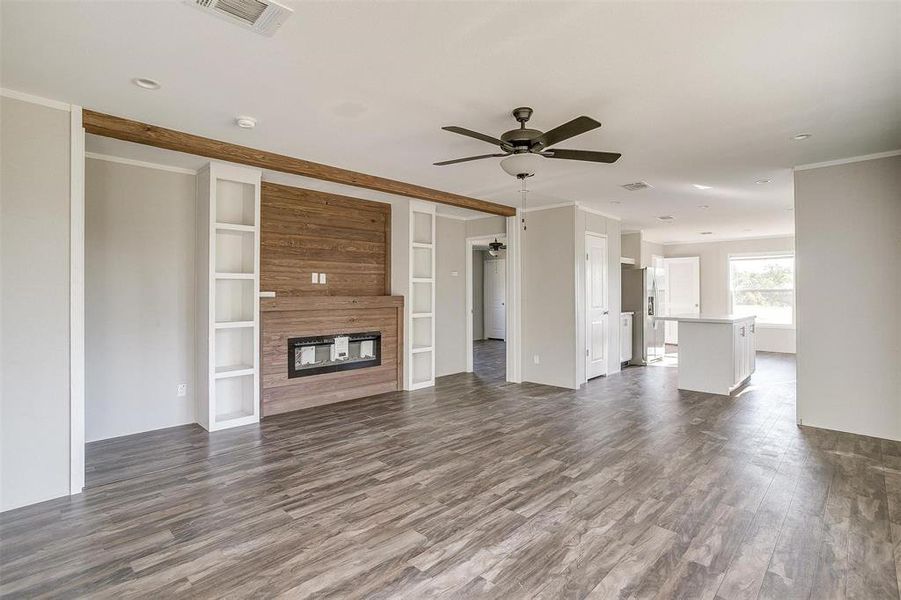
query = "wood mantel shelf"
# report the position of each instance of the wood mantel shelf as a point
(292, 303)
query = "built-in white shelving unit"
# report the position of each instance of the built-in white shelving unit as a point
(421, 310)
(228, 286)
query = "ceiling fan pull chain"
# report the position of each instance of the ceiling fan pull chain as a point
(523, 191)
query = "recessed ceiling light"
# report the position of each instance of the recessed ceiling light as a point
(790, 208)
(746, 230)
(763, 181)
(706, 233)
(615, 202)
(245, 122)
(801, 136)
(703, 206)
(146, 83)
(701, 187)
(666, 218)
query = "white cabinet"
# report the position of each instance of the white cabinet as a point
(625, 337)
(716, 354)
(744, 350)
(420, 346)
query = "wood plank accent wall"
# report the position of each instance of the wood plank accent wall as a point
(288, 317)
(119, 128)
(305, 231)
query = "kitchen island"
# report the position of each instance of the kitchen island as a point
(716, 352)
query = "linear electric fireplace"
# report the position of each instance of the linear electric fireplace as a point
(329, 353)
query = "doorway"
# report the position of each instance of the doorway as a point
(487, 307)
(681, 292)
(596, 306)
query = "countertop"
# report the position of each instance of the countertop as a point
(702, 318)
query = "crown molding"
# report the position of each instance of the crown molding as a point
(845, 161)
(735, 239)
(17, 95)
(139, 163)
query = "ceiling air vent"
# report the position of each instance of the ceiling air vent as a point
(261, 16)
(638, 185)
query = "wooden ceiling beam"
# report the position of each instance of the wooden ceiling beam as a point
(169, 139)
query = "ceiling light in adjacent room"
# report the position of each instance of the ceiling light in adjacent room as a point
(701, 187)
(706, 233)
(245, 122)
(146, 83)
(615, 202)
(703, 206)
(763, 181)
(801, 137)
(666, 218)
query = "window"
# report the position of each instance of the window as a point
(763, 285)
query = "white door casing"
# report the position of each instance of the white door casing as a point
(495, 309)
(596, 306)
(683, 291)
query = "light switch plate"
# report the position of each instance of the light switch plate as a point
(322, 278)
(455, 273)
(536, 359)
(315, 277)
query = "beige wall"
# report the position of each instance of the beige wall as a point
(34, 299)
(139, 298)
(715, 281)
(486, 226)
(450, 296)
(548, 303)
(848, 250)
(478, 294)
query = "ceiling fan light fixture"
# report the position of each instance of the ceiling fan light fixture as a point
(522, 165)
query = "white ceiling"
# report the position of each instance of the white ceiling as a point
(705, 93)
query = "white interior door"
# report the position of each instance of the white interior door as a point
(683, 291)
(496, 299)
(596, 307)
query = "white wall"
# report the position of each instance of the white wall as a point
(34, 299)
(848, 251)
(139, 298)
(450, 296)
(715, 281)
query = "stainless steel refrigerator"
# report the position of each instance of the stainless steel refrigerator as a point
(640, 295)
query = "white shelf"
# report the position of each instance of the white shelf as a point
(233, 371)
(234, 324)
(227, 309)
(420, 344)
(236, 227)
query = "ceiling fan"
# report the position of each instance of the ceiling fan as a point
(525, 141)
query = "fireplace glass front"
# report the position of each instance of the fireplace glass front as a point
(326, 354)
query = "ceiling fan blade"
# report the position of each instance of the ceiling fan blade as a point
(474, 134)
(577, 126)
(468, 158)
(587, 155)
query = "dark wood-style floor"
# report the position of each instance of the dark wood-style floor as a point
(481, 489)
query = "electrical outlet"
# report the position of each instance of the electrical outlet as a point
(181, 390)
(322, 278)
(536, 359)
